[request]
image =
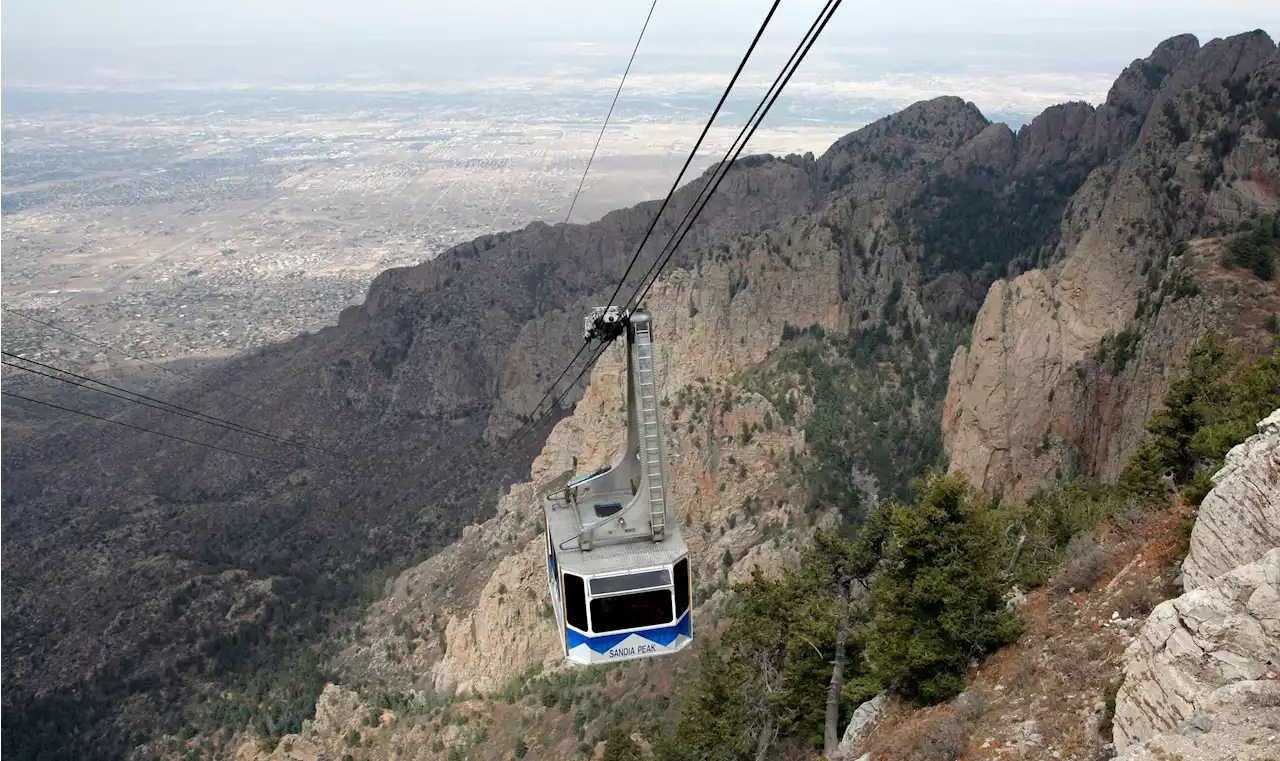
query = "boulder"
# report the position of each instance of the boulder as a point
(860, 725)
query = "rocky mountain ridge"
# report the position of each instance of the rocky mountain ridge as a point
(1032, 377)
(493, 633)
(404, 390)
(1239, 520)
(131, 555)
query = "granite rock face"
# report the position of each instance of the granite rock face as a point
(1239, 722)
(1214, 650)
(1041, 394)
(1239, 519)
(860, 724)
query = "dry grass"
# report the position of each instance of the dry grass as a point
(937, 734)
(1084, 562)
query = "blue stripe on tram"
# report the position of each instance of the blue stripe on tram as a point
(603, 643)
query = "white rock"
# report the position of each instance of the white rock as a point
(860, 725)
(1195, 649)
(1239, 519)
(1236, 723)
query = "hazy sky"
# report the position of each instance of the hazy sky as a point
(110, 23)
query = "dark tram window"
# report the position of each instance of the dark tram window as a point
(575, 601)
(628, 582)
(551, 560)
(611, 614)
(607, 509)
(682, 586)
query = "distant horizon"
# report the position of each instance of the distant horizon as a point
(1011, 71)
(1056, 40)
(1011, 76)
(1062, 50)
(63, 23)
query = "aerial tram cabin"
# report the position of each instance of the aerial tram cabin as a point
(617, 566)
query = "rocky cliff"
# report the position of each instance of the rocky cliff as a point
(424, 379)
(1208, 659)
(471, 620)
(1066, 362)
(124, 558)
(1203, 676)
(487, 591)
(1239, 520)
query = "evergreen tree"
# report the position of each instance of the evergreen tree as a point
(620, 747)
(1186, 405)
(713, 717)
(758, 642)
(938, 600)
(1206, 412)
(823, 668)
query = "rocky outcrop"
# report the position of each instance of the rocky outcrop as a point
(1035, 397)
(860, 725)
(1201, 680)
(471, 618)
(888, 158)
(346, 725)
(403, 387)
(1239, 519)
(1211, 649)
(1239, 722)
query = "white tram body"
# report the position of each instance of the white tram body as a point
(617, 566)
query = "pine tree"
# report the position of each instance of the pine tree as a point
(620, 747)
(938, 600)
(713, 723)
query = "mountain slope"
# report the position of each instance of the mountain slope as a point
(125, 558)
(466, 626)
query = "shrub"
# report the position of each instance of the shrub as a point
(1117, 349)
(1109, 711)
(1042, 529)
(1195, 491)
(1083, 564)
(620, 747)
(713, 716)
(945, 735)
(1256, 250)
(1137, 600)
